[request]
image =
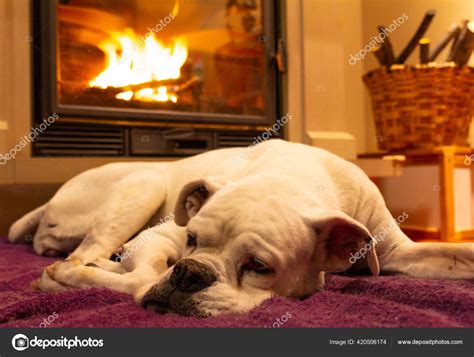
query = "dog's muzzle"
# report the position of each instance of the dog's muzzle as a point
(188, 277)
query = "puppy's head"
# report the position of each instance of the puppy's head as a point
(250, 240)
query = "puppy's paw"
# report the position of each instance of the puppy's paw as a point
(65, 272)
(45, 283)
(51, 269)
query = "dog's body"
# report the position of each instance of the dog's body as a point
(261, 221)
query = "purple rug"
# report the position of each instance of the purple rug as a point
(348, 301)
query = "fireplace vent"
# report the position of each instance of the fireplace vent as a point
(76, 140)
(240, 138)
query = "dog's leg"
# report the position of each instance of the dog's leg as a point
(398, 253)
(160, 247)
(75, 275)
(146, 257)
(133, 203)
(431, 260)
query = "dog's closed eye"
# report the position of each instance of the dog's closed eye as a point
(258, 266)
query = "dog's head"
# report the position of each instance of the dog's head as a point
(250, 240)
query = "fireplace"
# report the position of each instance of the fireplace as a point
(168, 77)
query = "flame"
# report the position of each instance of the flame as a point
(159, 94)
(132, 61)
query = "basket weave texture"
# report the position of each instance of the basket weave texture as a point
(421, 107)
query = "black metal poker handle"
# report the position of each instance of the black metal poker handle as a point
(452, 34)
(416, 37)
(387, 47)
(464, 45)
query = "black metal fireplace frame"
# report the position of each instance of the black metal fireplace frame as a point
(45, 91)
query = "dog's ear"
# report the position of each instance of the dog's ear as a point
(192, 197)
(340, 241)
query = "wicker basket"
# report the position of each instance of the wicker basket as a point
(421, 107)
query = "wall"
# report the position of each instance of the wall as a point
(15, 81)
(4, 74)
(17, 200)
(333, 105)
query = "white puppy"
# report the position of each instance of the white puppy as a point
(261, 221)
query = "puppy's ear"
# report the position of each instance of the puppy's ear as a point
(192, 197)
(340, 241)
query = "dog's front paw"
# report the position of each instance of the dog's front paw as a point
(65, 272)
(45, 283)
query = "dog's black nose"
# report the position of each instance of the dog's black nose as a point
(190, 276)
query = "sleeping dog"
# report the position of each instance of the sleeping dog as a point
(229, 229)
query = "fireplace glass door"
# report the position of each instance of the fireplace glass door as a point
(208, 60)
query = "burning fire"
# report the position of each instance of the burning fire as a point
(131, 62)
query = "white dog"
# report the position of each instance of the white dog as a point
(261, 221)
